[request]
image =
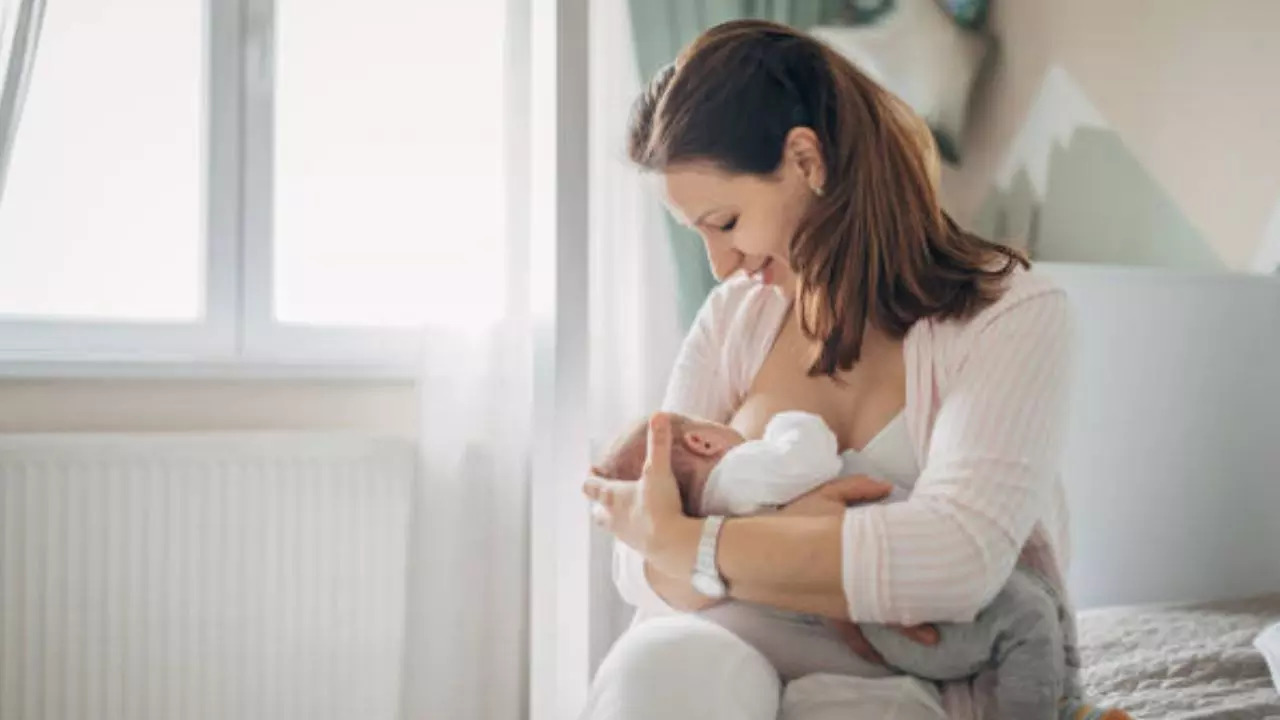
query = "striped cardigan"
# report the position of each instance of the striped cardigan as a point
(985, 408)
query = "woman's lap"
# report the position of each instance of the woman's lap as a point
(684, 667)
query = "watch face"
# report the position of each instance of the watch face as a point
(708, 585)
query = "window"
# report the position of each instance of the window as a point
(399, 169)
(249, 181)
(106, 171)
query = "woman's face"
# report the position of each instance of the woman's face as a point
(746, 221)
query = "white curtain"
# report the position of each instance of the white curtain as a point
(467, 652)
(467, 603)
(635, 324)
(19, 36)
(467, 627)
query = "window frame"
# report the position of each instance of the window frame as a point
(238, 335)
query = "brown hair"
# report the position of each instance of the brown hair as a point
(876, 246)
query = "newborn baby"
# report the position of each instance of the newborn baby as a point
(722, 473)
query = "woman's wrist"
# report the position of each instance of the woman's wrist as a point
(675, 547)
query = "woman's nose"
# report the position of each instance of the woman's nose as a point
(723, 257)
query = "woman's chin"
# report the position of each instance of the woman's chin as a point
(779, 279)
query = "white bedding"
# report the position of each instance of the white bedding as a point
(1181, 662)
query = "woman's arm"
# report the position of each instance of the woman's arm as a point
(789, 559)
(696, 387)
(994, 456)
(940, 556)
(783, 561)
(650, 590)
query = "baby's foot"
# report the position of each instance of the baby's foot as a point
(1080, 710)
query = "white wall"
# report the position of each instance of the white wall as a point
(1173, 459)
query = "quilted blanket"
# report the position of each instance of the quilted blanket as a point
(1177, 662)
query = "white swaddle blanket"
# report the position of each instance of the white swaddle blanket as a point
(797, 453)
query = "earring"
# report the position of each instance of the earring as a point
(817, 190)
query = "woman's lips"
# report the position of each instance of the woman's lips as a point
(764, 273)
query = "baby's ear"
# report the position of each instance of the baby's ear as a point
(704, 444)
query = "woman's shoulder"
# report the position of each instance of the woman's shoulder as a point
(742, 307)
(1029, 298)
(1023, 286)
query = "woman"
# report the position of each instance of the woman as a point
(853, 296)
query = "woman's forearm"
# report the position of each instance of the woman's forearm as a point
(788, 562)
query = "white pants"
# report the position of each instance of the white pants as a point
(685, 668)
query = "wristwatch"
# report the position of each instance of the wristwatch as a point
(706, 576)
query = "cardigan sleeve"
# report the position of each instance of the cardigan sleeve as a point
(989, 471)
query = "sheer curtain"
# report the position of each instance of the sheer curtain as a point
(511, 601)
(19, 37)
(468, 577)
(467, 647)
(635, 319)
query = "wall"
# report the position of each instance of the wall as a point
(1137, 132)
(1172, 468)
(207, 405)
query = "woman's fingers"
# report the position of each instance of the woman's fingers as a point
(856, 641)
(923, 634)
(600, 515)
(605, 492)
(857, 489)
(659, 451)
(609, 498)
(658, 484)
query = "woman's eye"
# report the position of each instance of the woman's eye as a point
(729, 225)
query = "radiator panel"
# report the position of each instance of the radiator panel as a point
(202, 577)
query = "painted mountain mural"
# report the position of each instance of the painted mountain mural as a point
(1070, 190)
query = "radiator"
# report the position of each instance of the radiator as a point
(224, 577)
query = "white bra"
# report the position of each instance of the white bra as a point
(888, 456)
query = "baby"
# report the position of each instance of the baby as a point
(722, 473)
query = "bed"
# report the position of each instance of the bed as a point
(1177, 662)
(1172, 474)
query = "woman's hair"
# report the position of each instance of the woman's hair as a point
(877, 246)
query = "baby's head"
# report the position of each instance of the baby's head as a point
(696, 447)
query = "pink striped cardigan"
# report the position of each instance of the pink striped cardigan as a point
(985, 407)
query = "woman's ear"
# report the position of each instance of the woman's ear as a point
(704, 444)
(803, 150)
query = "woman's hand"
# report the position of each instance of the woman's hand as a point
(647, 515)
(835, 496)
